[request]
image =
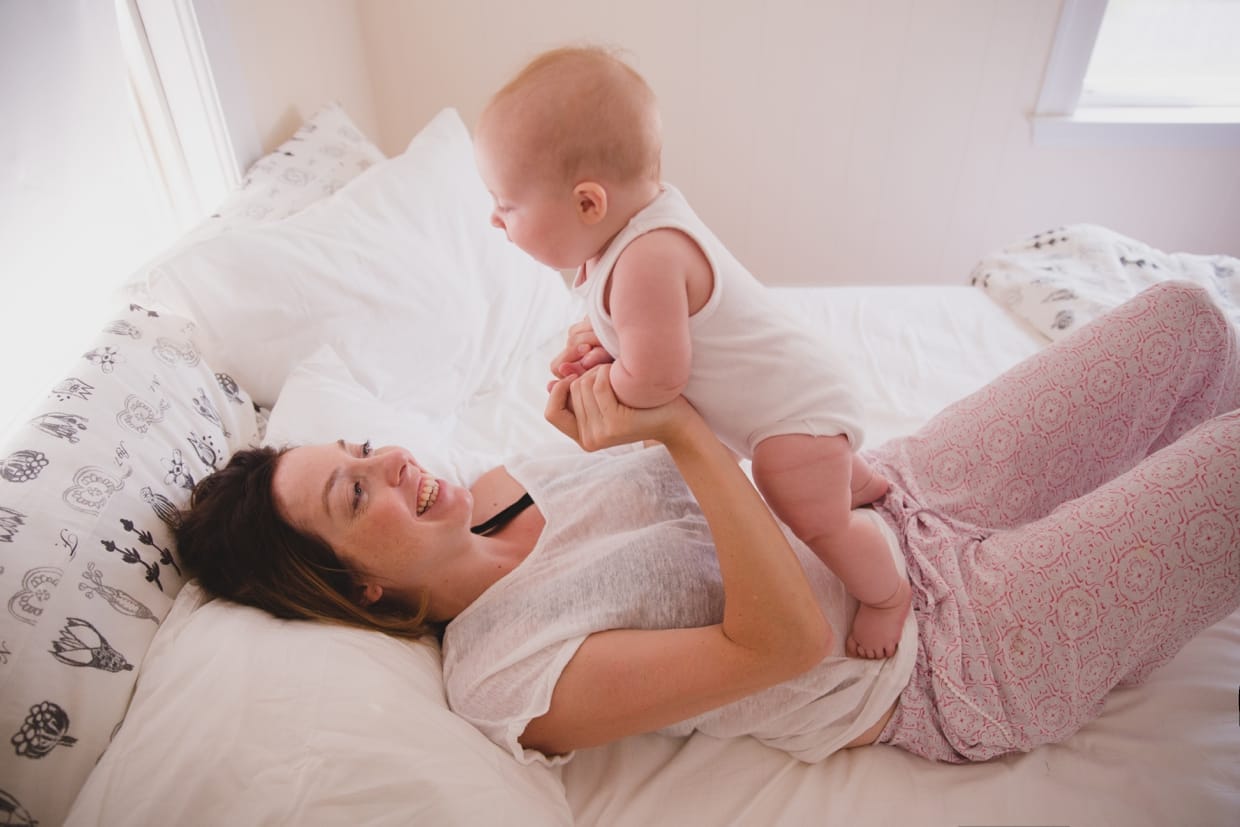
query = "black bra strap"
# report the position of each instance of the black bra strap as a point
(504, 517)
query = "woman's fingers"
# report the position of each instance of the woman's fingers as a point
(604, 395)
(595, 356)
(559, 410)
(591, 425)
(589, 417)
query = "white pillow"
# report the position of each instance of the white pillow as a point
(400, 272)
(240, 718)
(322, 402)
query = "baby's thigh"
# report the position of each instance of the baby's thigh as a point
(802, 475)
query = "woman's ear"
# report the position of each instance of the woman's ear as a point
(367, 594)
(591, 198)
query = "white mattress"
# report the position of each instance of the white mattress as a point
(1163, 753)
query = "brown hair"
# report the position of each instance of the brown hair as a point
(234, 539)
(588, 107)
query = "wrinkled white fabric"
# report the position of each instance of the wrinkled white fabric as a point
(626, 546)
(757, 372)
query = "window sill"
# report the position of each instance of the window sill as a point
(1167, 127)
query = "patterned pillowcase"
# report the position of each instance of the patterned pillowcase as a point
(1062, 279)
(321, 157)
(326, 153)
(88, 488)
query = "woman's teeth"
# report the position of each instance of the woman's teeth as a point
(427, 495)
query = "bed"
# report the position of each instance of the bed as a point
(341, 294)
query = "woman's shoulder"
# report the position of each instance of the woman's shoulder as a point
(493, 491)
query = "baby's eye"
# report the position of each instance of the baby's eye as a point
(357, 495)
(366, 449)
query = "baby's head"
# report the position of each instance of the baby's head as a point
(578, 113)
(571, 117)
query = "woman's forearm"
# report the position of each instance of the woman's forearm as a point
(768, 604)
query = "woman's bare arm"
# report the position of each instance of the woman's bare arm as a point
(623, 682)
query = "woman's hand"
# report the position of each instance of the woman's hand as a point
(585, 409)
(582, 351)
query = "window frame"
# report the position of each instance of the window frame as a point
(1060, 120)
(194, 99)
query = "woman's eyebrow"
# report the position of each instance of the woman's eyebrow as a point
(331, 480)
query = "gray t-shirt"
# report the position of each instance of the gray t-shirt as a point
(626, 546)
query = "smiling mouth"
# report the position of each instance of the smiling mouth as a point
(427, 495)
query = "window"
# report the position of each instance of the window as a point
(1166, 53)
(1145, 72)
(115, 140)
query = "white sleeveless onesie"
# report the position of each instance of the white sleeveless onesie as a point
(756, 371)
(626, 546)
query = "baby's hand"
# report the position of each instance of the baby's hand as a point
(585, 409)
(581, 352)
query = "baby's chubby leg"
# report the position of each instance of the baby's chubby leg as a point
(807, 481)
(867, 484)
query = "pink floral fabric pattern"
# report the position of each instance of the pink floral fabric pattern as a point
(1069, 527)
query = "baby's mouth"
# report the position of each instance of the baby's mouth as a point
(427, 494)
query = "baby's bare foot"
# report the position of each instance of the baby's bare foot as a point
(868, 490)
(876, 629)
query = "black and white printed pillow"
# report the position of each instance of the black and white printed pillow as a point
(1060, 280)
(325, 153)
(89, 487)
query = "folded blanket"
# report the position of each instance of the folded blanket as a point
(1061, 279)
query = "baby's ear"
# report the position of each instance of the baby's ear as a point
(367, 594)
(591, 198)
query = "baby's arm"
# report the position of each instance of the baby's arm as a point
(650, 304)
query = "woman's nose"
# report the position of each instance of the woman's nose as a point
(394, 464)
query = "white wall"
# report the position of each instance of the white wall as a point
(826, 141)
(298, 55)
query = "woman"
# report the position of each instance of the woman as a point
(1066, 529)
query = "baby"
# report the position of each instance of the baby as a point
(570, 151)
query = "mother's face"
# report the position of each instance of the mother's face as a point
(387, 518)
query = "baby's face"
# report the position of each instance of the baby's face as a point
(536, 212)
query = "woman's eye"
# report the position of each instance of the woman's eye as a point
(357, 495)
(366, 448)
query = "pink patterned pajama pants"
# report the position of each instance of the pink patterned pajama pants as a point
(1068, 527)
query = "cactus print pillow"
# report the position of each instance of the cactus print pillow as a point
(89, 486)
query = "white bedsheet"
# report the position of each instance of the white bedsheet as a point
(240, 717)
(1164, 753)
